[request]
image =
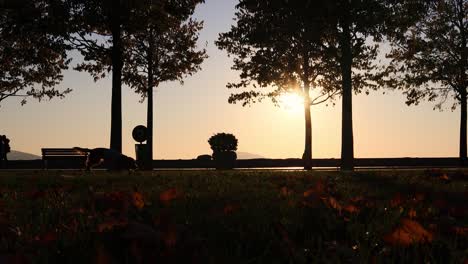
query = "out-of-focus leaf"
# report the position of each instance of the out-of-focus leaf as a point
(47, 238)
(357, 199)
(167, 196)
(14, 259)
(102, 256)
(461, 231)
(333, 203)
(412, 213)
(170, 236)
(137, 200)
(118, 201)
(318, 189)
(111, 224)
(445, 178)
(230, 208)
(78, 210)
(407, 233)
(284, 236)
(419, 197)
(397, 200)
(286, 192)
(350, 208)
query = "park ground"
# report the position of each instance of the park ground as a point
(415, 216)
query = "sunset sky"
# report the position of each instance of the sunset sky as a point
(187, 115)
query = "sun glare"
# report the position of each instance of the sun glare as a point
(292, 102)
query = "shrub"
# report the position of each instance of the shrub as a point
(224, 146)
(223, 142)
(204, 157)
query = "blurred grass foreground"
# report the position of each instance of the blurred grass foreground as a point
(234, 217)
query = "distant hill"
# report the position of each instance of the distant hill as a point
(247, 155)
(18, 155)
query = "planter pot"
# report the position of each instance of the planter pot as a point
(225, 160)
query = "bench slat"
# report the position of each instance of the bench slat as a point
(64, 155)
(57, 152)
(61, 154)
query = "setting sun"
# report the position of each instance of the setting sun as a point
(292, 102)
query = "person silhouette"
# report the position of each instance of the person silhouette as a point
(4, 149)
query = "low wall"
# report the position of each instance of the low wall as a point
(258, 163)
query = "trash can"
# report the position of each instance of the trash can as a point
(141, 151)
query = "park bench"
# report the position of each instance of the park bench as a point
(62, 154)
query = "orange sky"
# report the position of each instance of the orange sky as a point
(186, 116)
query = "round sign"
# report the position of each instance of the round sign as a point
(140, 133)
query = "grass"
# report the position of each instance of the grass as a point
(234, 217)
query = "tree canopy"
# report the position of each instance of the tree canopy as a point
(33, 52)
(165, 55)
(161, 50)
(102, 31)
(354, 28)
(302, 45)
(428, 57)
(277, 48)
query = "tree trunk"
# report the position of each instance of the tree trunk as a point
(463, 92)
(149, 116)
(347, 144)
(308, 132)
(307, 156)
(117, 64)
(463, 120)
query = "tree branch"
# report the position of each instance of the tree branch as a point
(329, 95)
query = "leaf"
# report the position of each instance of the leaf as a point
(440, 203)
(167, 196)
(461, 231)
(412, 213)
(445, 178)
(397, 200)
(230, 208)
(284, 236)
(352, 209)
(357, 199)
(332, 203)
(318, 189)
(169, 236)
(47, 238)
(137, 200)
(312, 201)
(36, 195)
(118, 201)
(407, 233)
(285, 192)
(102, 255)
(111, 225)
(14, 259)
(418, 197)
(79, 210)
(309, 192)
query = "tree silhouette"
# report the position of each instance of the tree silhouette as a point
(354, 26)
(159, 52)
(101, 29)
(429, 57)
(278, 48)
(98, 29)
(224, 148)
(32, 49)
